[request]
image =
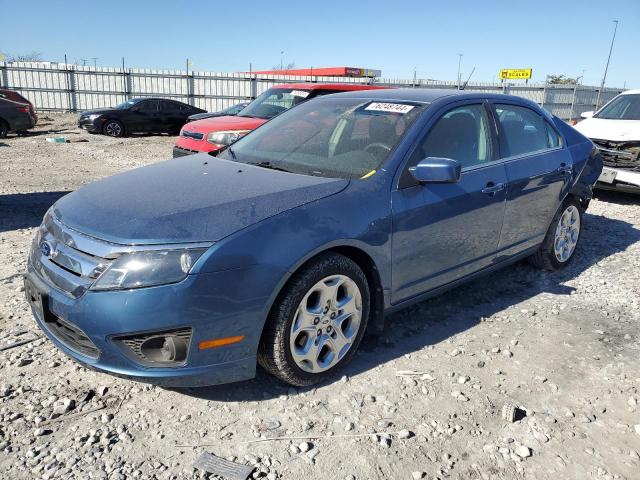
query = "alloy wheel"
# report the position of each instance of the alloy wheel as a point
(326, 324)
(567, 234)
(113, 129)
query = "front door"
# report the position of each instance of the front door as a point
(442, 232)
(145, 117)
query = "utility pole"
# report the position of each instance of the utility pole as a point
(84, 62)
(606, 68)
(460, 55)
(95, 62)
(281, 59)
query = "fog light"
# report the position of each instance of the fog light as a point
(169, 348)
(164, 349)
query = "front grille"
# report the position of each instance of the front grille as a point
(620, 154)
(73, 261)
(194, 135)
(133, 344)
(72, 337)
(182, 152)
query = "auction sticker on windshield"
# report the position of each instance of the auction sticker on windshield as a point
(389, 107)
(300, 93)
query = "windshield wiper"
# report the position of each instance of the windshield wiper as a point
(233, 154)
(271, 166)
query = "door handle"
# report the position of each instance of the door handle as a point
(492, 188)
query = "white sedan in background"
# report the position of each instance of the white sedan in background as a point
(615, 130)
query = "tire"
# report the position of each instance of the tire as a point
(113, 128)
(4, 128)
(548, 257)
(292, 348)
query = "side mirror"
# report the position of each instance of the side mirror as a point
(588, 114)
(436, 170)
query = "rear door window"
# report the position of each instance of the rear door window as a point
(523, 131)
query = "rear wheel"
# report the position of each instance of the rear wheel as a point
(4, 128)
(317, 323)
(113, 128)
(560, 243)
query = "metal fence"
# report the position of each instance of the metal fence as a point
(72, 88)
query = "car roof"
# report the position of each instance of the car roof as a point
(427, 95)
(139, 99)
(330, 86)
(630, 92)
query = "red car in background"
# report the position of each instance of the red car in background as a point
(212, 134)
(16, 97)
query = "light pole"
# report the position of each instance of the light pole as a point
(281, 59)
(606, 68)
(460, 55)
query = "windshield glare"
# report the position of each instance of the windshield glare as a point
(273, 102)
(624, 107)
(330, 137)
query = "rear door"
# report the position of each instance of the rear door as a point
(538, 172)
(442, 232)
(172, 118)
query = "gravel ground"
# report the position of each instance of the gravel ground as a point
(563, 347)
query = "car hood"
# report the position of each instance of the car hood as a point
(225, 122)
(197, 198)
(607, 129)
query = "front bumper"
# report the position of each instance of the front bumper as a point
(197, 146)
(94, 126)
(211, 304)
(619, 179)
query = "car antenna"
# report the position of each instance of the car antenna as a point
(465, 83)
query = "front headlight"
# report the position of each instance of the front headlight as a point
(148, 268)
(94, 116)
(226, 137)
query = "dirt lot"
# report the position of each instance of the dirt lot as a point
(564, 347)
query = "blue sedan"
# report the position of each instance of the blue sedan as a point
(287, 246)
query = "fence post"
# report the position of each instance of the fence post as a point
(573, 101)
(71, 87)
(190, 87)
(253, 84)
(4, 77)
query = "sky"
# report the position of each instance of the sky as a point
(396, 36)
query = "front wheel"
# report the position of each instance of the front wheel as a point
(113, 128)
(317, 321)
(560, 243)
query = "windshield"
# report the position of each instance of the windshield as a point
(127, 104)
(332, 137)
(623, 107)
(234, 109)
(273, 102)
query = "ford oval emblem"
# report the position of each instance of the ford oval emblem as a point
(45, 248)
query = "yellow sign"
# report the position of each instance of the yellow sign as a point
(515, 73)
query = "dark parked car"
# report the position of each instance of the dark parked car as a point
(16, 97)
(229, 112)
(138, 115)
(304, 233)
(14, 117)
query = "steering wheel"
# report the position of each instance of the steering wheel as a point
(381, 145)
